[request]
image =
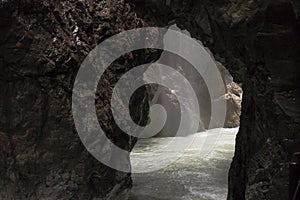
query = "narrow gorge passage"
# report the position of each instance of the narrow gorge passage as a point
(193, 176)
(188, 166)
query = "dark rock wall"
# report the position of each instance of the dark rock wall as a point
(42, 44)
(258, 42)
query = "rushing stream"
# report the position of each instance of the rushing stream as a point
(191, 177)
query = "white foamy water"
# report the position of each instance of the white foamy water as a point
(193, 176)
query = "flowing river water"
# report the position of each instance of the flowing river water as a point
(193, 176)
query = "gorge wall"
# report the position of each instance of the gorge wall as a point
(42, 44)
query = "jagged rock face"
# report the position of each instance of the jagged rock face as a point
(234, 105)
(42, 44)
(233, 96)
(257, 42)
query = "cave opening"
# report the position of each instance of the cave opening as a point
(161, 171)
(43, 44)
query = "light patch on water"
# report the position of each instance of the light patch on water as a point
(192, 177)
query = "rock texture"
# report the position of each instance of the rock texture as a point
(233, 97)
(257, 42)
(42, 44)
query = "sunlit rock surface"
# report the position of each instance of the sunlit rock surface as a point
(234, 105)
